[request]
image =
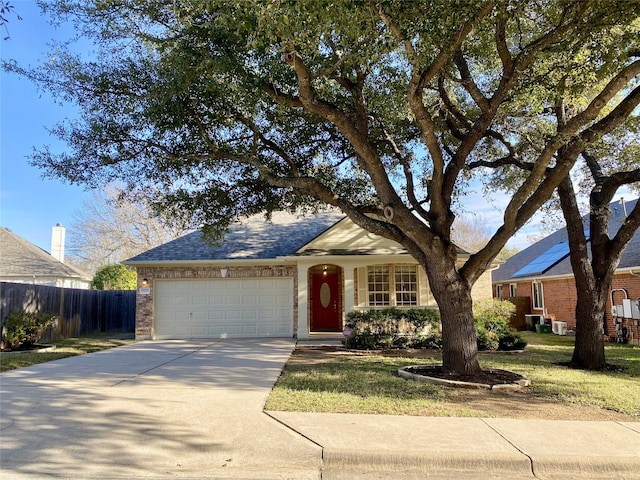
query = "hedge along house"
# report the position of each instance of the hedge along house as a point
(542, 273)
(288, 277)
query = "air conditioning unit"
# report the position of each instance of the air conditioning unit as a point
(559, 328)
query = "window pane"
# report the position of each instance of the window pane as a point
(538, 301)
(406, 285)
(378, 284)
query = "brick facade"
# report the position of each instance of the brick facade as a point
(560, 299)
(144, 302)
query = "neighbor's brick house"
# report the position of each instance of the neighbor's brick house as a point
(542, 273)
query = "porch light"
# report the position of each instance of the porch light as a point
(145, 282)
(324, 270)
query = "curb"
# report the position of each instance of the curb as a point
(352, 463)
(571, 466)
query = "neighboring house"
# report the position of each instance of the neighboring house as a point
(291, 277)
(543, 273)
(23, 262)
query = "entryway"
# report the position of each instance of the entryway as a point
(325, 298)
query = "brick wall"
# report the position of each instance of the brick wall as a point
(144, 303)
(560, 299)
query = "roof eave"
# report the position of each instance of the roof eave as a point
(215, 262)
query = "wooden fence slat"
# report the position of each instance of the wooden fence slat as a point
(80, 312)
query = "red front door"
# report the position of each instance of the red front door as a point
(326, 306)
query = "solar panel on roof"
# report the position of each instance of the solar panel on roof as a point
(545, 261)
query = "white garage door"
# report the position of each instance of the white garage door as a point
(222, 308)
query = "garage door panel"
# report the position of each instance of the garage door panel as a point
(199, 330)
(200, 300)
(223, 308)
(233, 299)
(216, 299)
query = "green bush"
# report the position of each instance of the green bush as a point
(492, 317)
(394, 328)
(115, 277)
(23, 330)
(421, 328)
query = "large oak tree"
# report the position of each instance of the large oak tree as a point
(379, 108)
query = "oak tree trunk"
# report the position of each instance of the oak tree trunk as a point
(589, 348)
(452, 293)
(459, 338)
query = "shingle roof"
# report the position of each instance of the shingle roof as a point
(18, 257)
(253, 239)
(630, 257)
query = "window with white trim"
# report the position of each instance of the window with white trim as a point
(406, 285)
(513, 289)
(538, 295)
(390, 285)
(499, 290)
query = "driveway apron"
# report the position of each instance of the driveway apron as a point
(185, 409)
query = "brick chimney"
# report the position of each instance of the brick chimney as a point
(57, 243)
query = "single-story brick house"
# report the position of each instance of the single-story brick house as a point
(543, 273)
(288, 277)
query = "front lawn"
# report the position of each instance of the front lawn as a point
(346, 382)
(64, 348)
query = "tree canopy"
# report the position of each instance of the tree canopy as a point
(384, 109)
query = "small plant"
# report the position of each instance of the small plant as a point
(23, 330)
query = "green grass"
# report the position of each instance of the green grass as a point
(68, 347)
(369, 384)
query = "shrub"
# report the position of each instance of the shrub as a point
(23, 330)
(421, 328)
(492, 317)
(115, 277)
(394, 328)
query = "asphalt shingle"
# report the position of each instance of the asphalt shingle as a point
(253, 239)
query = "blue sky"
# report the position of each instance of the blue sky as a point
(29, 204)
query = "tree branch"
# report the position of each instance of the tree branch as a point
(468, 83)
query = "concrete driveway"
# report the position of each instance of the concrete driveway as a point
(182, 409)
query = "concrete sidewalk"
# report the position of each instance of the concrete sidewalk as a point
(402, 447)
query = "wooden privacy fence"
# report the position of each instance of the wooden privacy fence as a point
(79, 312)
